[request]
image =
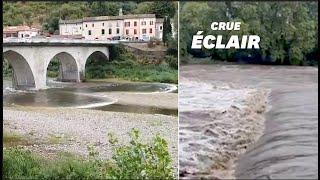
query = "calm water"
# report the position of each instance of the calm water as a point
(288, 148)
(85, 95)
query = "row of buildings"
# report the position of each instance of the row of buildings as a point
(20, 31)
(132, 27)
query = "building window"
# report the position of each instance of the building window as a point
(127, 31)
(118, 30)
(110, 31)
(86, 25)
(160, 28)
(117, 23)
(127, 24)
(102, 31)
(150, 31)
(89, 32)
(144, 31)
(92, 25)
(135, 31)
(135, 23)
(151, 22)
(102, 24)
(143, 23)
(80, 28)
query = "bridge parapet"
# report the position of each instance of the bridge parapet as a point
(55, 42)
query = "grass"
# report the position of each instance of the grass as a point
(133, 161)
(52, 139)
(12, 139)
(23, 164)
(139, 73)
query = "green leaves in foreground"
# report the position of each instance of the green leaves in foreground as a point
(140, 161)
(134, 161)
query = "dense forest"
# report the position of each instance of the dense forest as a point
(288, 30)
(46, 15)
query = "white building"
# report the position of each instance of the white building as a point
(159, 28)
(71, 27)
(20, 31)
(132, 27)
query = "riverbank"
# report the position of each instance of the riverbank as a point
(56, 130)
(52, 131)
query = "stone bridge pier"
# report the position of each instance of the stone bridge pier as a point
(30, 60)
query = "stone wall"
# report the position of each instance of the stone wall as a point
(151, 56)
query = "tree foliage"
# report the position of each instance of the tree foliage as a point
(47, 14)
(288, 30)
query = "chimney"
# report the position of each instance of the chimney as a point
(120, 12)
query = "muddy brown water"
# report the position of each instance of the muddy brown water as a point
(288, 148)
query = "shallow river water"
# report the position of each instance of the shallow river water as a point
(87, 95)
(288, 146)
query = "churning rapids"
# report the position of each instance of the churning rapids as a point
(92, 95)
(248, 122)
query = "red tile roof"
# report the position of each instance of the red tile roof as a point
(11, 29)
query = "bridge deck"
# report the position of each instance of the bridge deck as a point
(55, 42)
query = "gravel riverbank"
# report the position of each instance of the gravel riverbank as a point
(72, 130)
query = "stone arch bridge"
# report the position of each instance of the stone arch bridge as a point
(31, 57)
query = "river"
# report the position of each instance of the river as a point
(285, 145)
(93, 95)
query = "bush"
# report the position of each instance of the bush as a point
(133, 161)
(172, 61)
(151, 43)
(7, 69)
(52, 74)
(140, 161)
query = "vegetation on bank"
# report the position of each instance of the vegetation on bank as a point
(136, 160)
(288, 31)
(125, 65)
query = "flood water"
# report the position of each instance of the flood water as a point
(86, 95)
(288, 148)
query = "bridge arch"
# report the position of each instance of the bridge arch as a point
(23, 76)
(68, 67)
(95, 59)
(97, 55)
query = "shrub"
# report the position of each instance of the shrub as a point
(172, 61)
(52, 74)
(140, 161)
(133, 161)
(151, 43)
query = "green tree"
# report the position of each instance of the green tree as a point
(163, 8)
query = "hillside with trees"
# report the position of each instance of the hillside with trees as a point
(288, 30)
(46, 15)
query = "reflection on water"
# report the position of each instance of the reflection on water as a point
(289, 145)
(99, 86)
(138, 109)
(50, 98)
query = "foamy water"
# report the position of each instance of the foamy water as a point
(288, 147)
(217, 123)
